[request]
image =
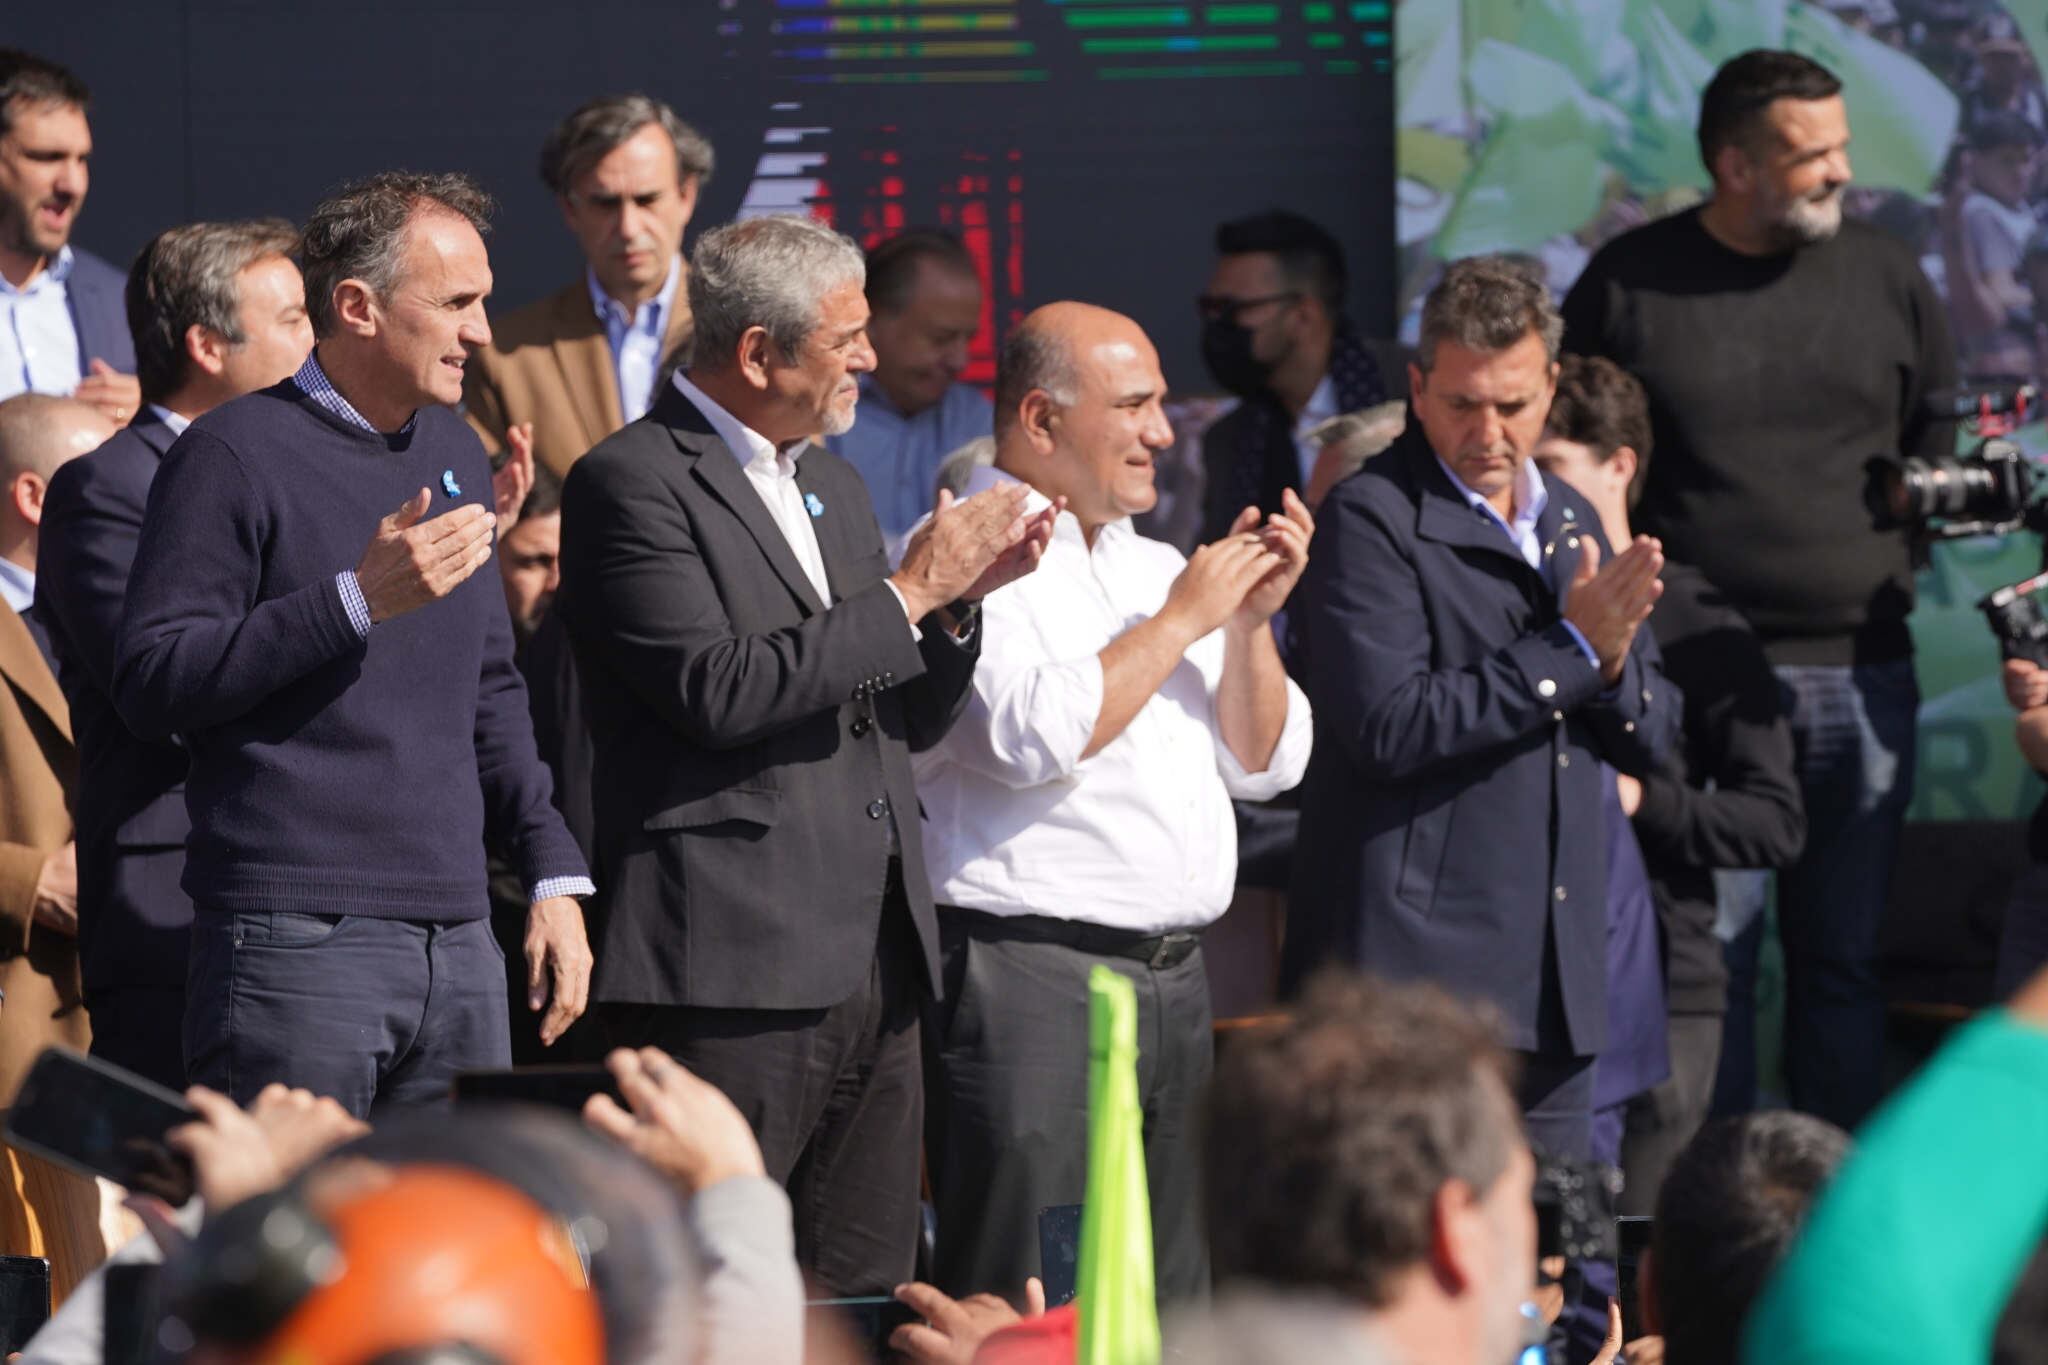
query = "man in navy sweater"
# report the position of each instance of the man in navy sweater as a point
(356, 725)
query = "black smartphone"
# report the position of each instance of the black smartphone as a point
(101, 1119)
(871, 1319)
(24, 1300)
(1059, 1251)
(131, 1312)
(554, 1087)
(1631, 1239)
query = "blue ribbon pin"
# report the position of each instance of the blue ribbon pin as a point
(814, 505)
(448, 484)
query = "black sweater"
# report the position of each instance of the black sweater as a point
(1772, 380)
(1727, 795)
(330, 774)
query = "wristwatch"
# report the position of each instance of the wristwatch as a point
(966, 618)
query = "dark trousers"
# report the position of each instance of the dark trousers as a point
(1006, 1129)
(836, 1099)
(1853, 730)
(1657, 1124)
(372, 1012)
(141, 1028)
(1555, 1093)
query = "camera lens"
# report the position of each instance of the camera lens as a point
(1917, 490)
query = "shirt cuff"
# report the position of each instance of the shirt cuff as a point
(1606, 694)
(897, 592)
(353, 602)
(549, 887)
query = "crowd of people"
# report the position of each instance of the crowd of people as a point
(689, 671)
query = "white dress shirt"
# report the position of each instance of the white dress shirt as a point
(1322, 406)
(170, 419)
(1141, 835)
(38, 340)
(773, 475)
(17, 586)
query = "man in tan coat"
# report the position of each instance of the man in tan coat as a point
(43, 1211)
(579, 364)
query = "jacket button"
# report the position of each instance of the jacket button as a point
(860, 726)
(1646, 696)
(1546, 688)
(1557, 894)
(1628, 726)
(1564, 760)
(1557, 715)
(877, 809)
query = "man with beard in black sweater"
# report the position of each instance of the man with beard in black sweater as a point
(1725, 796)
(1781, 347)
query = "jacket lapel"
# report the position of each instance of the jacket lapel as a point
(714, 465)
(23, 665)
(586, 360)
(1442, 514)
(834, 524)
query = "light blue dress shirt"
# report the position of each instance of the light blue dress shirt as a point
(17, 586)
(898, 457)
(636, 340)
(1531, 497)
(38, 341)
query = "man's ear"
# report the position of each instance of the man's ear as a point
(355, 308)
(1733, 170)
(1417, 382)
(1622, 466)
(25, 496)
(756, 356)
(1035, 415)
(206, 349)
(1457, 1237)
(688, 192)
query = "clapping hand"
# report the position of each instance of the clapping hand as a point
(1286, 534)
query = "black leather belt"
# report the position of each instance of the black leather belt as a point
(1157, 951)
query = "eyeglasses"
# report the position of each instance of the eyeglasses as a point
(1215, 306)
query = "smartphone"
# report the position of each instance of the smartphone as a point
(24, 1300)
(553, 1087)
(1631, 1239)
(1059, 1251)
(131, 1312)
(100, 1119)
(871, 1319)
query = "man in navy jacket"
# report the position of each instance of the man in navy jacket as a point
(218, 310)
(1473, 655)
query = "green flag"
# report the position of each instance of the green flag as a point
(1113, 1284)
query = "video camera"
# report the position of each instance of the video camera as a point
(1991, 491)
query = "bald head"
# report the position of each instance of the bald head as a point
(1078, 410)
(37, 434)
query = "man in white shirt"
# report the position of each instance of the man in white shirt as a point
(1079, 811)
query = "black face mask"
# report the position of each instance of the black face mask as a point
(1227, 351)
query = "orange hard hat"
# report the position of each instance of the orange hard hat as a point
(439, 1255)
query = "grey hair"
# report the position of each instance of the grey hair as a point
(187, 277)
(1487, 303)
(590, 134)
(358, 232)
(1034, 356)
(957, 468)
(765, 272)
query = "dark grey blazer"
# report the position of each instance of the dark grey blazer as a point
(752, 745)
(1452, 823)
(134, 919)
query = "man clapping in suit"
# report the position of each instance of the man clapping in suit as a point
(757, 680)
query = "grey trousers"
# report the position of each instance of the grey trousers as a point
(1006, 1104)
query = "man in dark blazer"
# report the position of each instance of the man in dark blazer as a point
(756, 680)
(1473, 655)
(66, 332)
(217, 310)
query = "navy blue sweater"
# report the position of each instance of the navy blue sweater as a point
(330, 774)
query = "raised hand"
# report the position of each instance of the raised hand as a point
(410, 562)
(1607, 603)
(948, 555)
(513, 480)
(679, 1124)
(1287, 534)
(1218, 576)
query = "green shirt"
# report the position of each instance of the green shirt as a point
(1914, 1248)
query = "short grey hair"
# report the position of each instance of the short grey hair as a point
(957, 468)
(591, 134)
(1034, 356)
(187, 277)
(358, 232)
(765, 272)
(1487, 303)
